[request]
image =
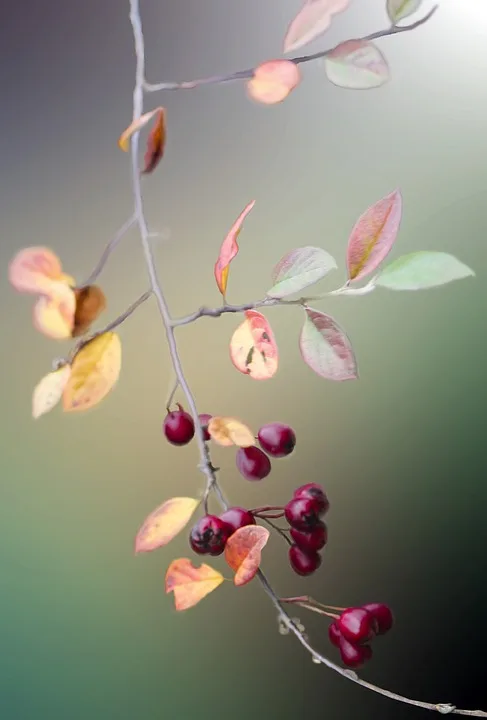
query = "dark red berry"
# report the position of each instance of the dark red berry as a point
(302, 562)
(276, 439)
(252, 463)
(179, 427)
(209, 535)
(302, 513)
(354, 656)
(310, 541)
(334, 634)
(383, 615)
(313, 491)
(237, 518)
(357, 625)
(204, 419)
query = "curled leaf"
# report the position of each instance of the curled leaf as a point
(229, 249)
(422, 270)
(273, 80)
(34, 269)
(400, 9)
(155, 143)
(189, 583)
(94, 371)
(135, 126)
(54, 313)
(228, 431)
(299, 269)
(243, 552)
(356, 65)
(312, 20)
(253, 349)
(164, 523)
(325, 347)
(90, 303)
(49, 390)
(374, 235)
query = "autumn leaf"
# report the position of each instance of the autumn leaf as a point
(228, 431)
(135, 126)
(190, 584)
(229, 249)
(243, 552)
(374, 235)
(299, 269)
(253, 349)
(49, 390)
(54, 314)
(400, 9)
(273, 80)
(155, 143)
(356, 65)
(90, 303)
(312, 20)
(326, 348)
(422, 270)
(164, 523)
(94, 371)
(34, 269)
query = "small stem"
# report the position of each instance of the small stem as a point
(172, 394)
(266, 508)
(310, 604)
(112, 244)
(279, 530)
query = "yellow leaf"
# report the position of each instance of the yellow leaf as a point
(228, 431)
(94, 371)
(162, 525)
(189, 583)
(124, 139)
(49, 390)
(54, 313)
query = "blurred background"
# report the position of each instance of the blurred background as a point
(86, 631)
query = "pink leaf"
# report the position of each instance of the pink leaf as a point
(357, 65)
(34, 269)
(273, 81)
(326, 349)
(312, 20)
(253, 349)
(229, 249)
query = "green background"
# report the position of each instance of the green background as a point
(86, 631)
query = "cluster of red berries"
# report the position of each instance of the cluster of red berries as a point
(210, 534)
(309, 533)
(276, 439)
(356, 627)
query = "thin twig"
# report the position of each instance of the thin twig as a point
(245, 74)
(278, 530)
(112, 244)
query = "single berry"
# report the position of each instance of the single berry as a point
(302, 562)
(354, 656)
(313, 540)
(383, 615)
(276, 439)
(204, 419)
(302, 513)
(209, 535)
(179, 427)
(252, 463)
(237, 518)
(334, 634)
(313, 491)
(357, 625)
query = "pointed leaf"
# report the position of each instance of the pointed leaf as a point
(374, 235)
(312, 20)
(164, 523)
(155, 143)
(422, 270)
(135, 126)
(273, 81)
(54, 313)
(325, 347)
(90, 303)
(189, 583)
(357, 65)
(253, 349)
(228, 431)
(243, 552)
(229, 249)
(94, 371)
(400, 9)
(34, 269)
(49, 390)
(299, 269)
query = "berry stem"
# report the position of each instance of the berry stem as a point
(279, 530)
(267, 508)
(172, 393)
(311, 601)
(309, 604)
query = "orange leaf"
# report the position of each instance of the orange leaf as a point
(253, 349)
(229, 249)
(189, 583)
(90, 303)
(155, 143)
(273, 81)
(135, 126)
(34, 269)
(228, 431)
(243, 552)
(94, 371)
(162, 525)
(54, 313)
(49, 390)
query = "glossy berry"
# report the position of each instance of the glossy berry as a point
(276, 439)
(302, 513)
(204, 419)
(310, 541)
(252, 463)
(357, 625)
(354, 656)
(209, 535)
(313, 491)
(237, 517)
(302, 562)
(383, 615)
(179, 427)
(334, 634)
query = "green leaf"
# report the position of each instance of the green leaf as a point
(422, 270)
(400, 9)
(326, 348)
(298, 269)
